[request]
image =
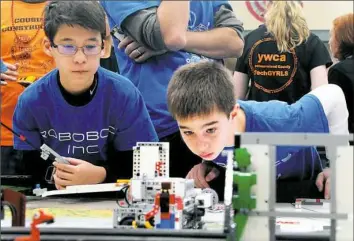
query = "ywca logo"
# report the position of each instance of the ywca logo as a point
(257, 8)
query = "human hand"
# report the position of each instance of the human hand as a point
(324, 179)
(136, 51)
(78, 172)
(10, 74)
(198, 174)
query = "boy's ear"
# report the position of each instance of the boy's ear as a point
(47, 48)
(106, 51)
(234, 111)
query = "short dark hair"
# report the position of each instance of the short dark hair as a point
(87, 14)
(197, 89)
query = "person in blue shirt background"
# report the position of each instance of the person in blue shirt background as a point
(159, 36)
(208, 123)
(3, 69)
(83, 112)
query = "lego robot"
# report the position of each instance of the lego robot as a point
(158, 201)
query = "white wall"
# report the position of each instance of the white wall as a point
(319, 14)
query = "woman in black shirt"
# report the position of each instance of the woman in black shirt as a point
(282, 58)
(342, 46)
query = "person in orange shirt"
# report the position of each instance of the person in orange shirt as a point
(25, 61)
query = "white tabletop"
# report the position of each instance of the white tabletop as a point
(83, 213)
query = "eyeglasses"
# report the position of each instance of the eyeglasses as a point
(69, 49)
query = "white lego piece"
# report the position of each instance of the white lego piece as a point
(181, 187)
(136, 189)
(260, 164)
(344, 191)
(151, 159)
(204, 200)
(215, 197)
(106, 187)
(39, 191)
(298, 204)
(149, 155)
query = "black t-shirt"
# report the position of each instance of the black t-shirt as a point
(342, 74)
(280, 76)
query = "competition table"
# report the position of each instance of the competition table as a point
(85, 218)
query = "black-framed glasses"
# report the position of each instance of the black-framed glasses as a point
(70, 49)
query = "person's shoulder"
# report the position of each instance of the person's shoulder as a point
(253, 37)
(122, 9)
(256, 35)
(39, 89)
(261, 31)
(118, 83)
(345, 65)
(313, 40)
(270, 111)
(342, 72)
(267, 116)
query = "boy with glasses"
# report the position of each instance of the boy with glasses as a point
(24, 62)
(87, 114)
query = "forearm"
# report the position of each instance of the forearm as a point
(241, 83)
(318, 76)
(217, 43)
(99, 174)
(173, 17)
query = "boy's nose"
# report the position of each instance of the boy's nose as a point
(203, 146)
(80, 57)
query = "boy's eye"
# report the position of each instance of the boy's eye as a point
(90, 47)
(211, 130)
(69, 46)
(188, 133)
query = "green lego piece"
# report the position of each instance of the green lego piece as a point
(242, 157)
(241, 221)
(243, 202)
(244, 199)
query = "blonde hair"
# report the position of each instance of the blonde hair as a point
(286, 22)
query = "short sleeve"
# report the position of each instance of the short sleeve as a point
(133, 123)
(24, 125)
(319, 54)
(218, 4)
(118, 11)
(225, 17)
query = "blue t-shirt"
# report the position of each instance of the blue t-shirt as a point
(3, 67)
(304, 116)
(152, 77)
(116, 116)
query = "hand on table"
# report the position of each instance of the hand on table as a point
(78, 172)
(198, 173)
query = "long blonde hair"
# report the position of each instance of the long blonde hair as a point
(286, 22)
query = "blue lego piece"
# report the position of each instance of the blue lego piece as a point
(167, 223)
